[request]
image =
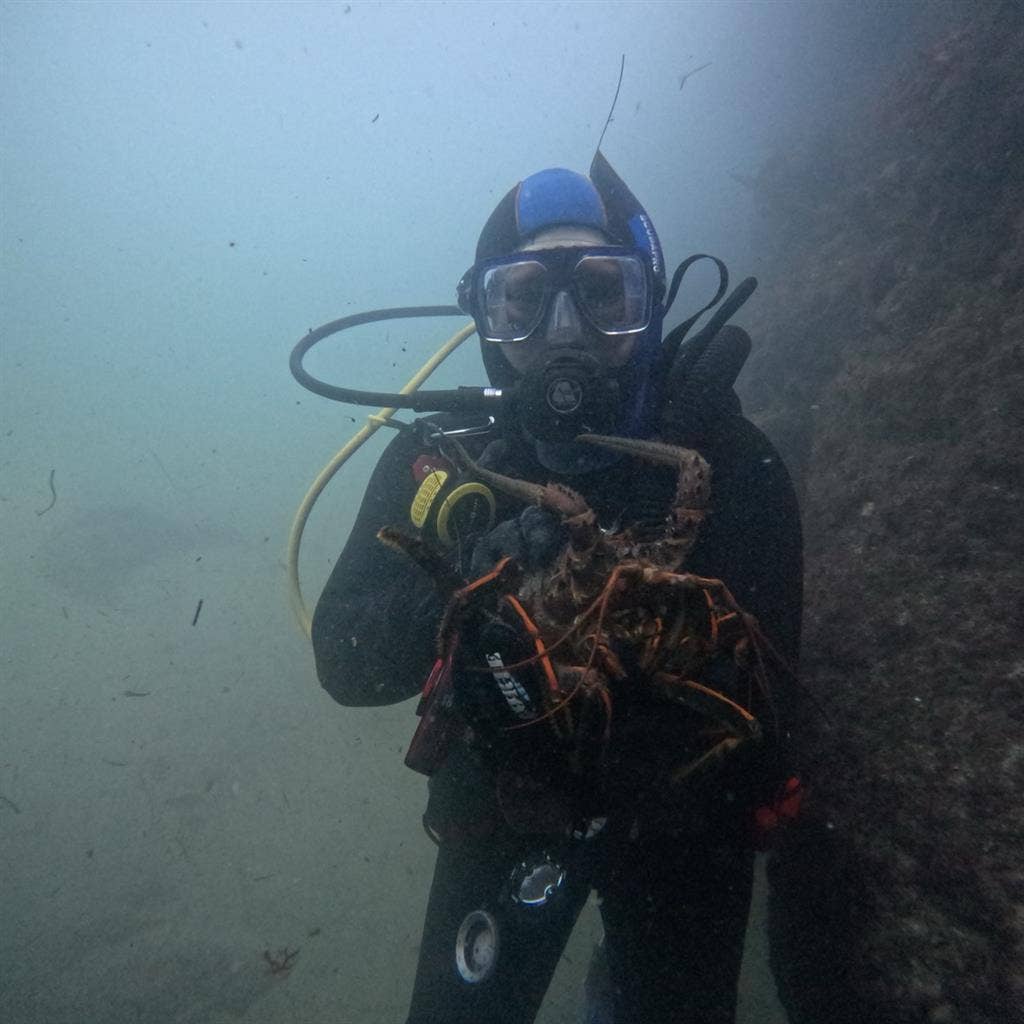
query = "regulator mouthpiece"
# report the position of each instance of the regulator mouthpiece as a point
(570, 395)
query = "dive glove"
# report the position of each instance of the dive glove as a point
(532, 539)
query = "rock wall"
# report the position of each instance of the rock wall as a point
(889, 366)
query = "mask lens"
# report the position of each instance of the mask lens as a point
(613, 292)
(611, 289)
(513, 299)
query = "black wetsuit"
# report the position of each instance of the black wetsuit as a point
(674, 882)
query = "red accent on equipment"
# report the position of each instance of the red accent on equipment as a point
(783, 810)
(428, 463)
(439, 722)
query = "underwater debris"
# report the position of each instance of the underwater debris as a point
(689, 74)
(281, 962)
(53, 499)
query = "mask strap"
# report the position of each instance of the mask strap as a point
(674, 338)
(706, 360)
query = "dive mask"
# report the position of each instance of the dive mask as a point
(509, 297)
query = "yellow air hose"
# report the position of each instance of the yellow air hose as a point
(373, 423)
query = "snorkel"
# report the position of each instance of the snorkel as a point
(629, 218)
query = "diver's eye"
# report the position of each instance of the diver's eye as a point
(525, 291)
(614, 292)
(600, 288)
(523, 287)
(513, 298)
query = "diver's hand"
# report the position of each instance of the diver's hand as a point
(532, 539)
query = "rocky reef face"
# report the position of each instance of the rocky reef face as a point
(889, 367)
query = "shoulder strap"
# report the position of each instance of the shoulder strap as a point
(671, 342)
(699, 381)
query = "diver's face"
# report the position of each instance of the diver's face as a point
(563, 326)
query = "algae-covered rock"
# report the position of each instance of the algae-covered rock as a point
(890, 367)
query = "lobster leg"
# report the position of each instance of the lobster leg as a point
(705, 761)
(693, 488)
(693, 492)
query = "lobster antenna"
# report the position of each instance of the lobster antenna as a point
(608, 121)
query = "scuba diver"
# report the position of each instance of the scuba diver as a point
(568, 292)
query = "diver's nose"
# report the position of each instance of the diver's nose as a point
(564, 325)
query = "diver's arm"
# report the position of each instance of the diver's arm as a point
(752, 541)
(775, 569)
(375, 624)
(777, 539)
(786, 568)
(754, 530)
(752, 538)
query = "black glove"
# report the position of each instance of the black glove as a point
(532, 539)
